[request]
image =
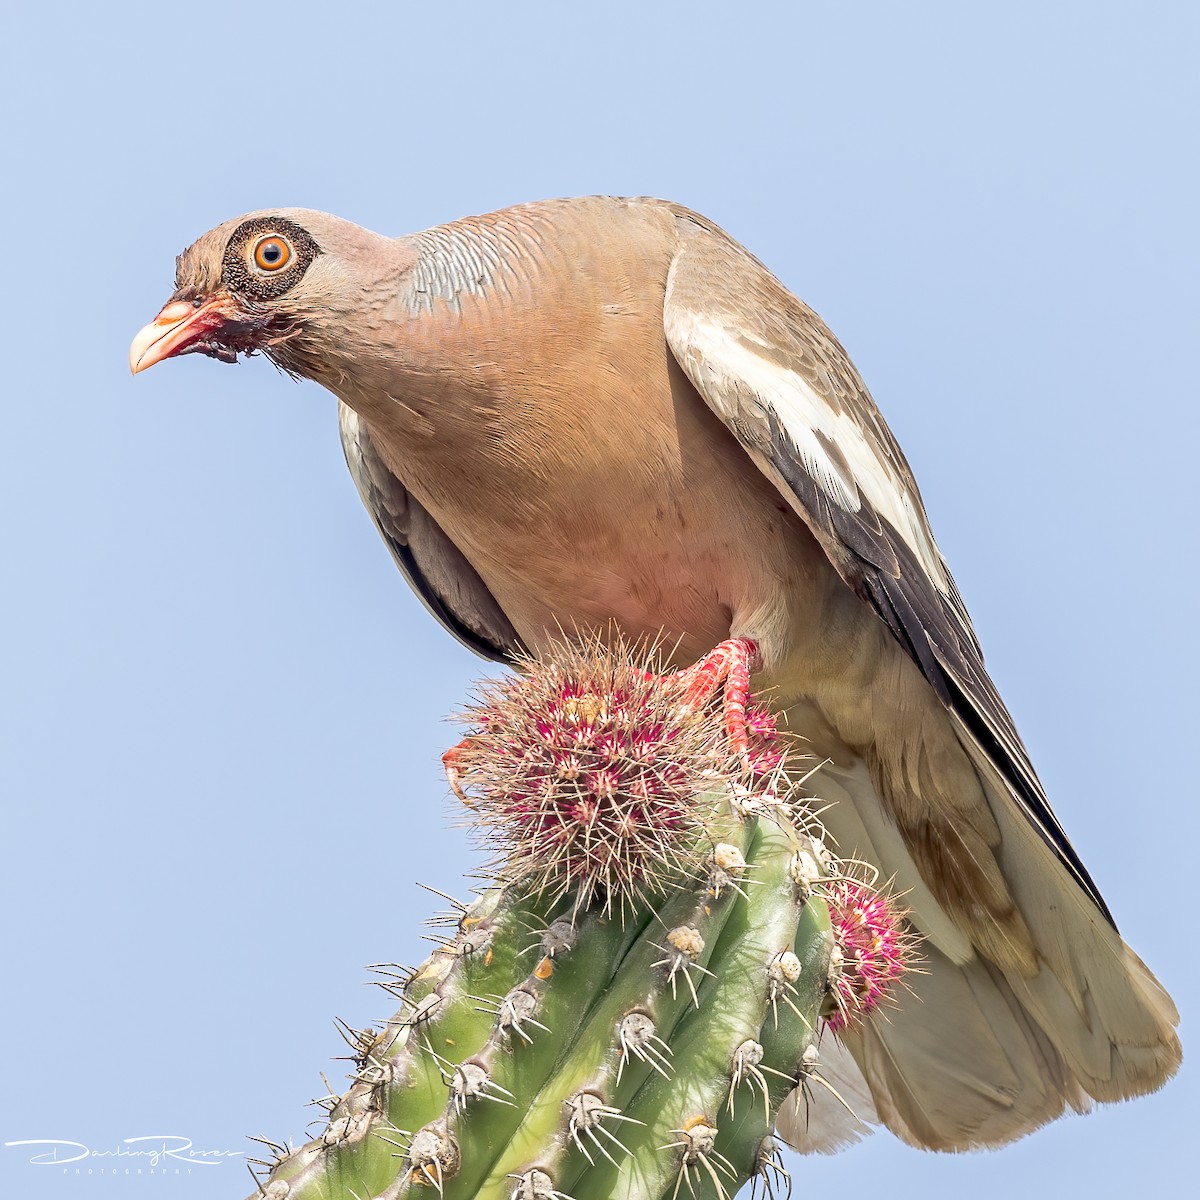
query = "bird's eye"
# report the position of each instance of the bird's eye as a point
(272, 253)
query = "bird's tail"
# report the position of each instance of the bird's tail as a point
(974, 1057)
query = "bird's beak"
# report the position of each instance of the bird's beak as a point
(179, 326)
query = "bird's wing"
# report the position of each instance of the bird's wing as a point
(1000, 1041)
(775, 374)
(447, 584)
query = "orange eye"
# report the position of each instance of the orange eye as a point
(272, 253)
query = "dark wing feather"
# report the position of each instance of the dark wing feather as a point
(447, 584)
(771, 369)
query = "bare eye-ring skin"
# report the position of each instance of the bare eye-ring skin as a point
(266, 256)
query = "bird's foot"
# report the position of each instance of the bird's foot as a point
(450, 761)
(728, 665)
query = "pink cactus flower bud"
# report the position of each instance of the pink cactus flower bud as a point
(589, 772)
(876, 945)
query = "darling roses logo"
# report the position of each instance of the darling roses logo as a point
(157, 1154)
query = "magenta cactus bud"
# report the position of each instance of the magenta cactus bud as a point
(767, 750)
(586, 772)
(876, 946)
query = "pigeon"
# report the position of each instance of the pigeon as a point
(603, 414)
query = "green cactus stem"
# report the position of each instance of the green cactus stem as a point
(623, 1013)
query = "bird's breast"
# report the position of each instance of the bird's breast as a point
(598, 491)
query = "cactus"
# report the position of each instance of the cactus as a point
(622, 1012)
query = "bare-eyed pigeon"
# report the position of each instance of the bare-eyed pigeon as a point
(604, 413)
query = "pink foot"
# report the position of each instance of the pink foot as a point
(450, 761)
(731, 664)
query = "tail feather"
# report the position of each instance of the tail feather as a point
(960, 1065)
(1113, 1022)
(975, 1057)
(820, 1122)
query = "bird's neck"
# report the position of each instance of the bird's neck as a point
(487, 325)
(428, 350)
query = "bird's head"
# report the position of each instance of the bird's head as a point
(274, 281)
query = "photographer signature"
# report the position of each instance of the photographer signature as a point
(154, 1150)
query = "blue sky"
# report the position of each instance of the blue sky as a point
(221, 710)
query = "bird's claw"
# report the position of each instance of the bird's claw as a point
(450, 762)
(730, 664)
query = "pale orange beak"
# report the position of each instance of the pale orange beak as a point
(179, 326)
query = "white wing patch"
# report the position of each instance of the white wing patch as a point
(812, 424)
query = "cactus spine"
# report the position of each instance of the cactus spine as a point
(623, 1013)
